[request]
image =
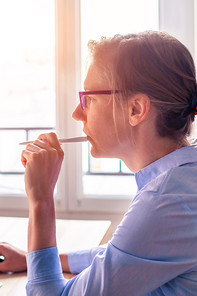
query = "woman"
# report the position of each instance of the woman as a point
(139, 104)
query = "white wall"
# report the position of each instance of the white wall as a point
(177, 18)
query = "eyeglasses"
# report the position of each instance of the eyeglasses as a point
(83, 94)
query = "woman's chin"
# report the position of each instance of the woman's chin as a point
(97, 153)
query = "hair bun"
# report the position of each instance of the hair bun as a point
(192, 108)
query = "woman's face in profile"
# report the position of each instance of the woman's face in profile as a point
(99, 124)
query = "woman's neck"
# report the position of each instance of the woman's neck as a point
(142, 154)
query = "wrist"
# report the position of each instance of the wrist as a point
(36, 199)
(42, 228)
(41, 206)
(64, 262)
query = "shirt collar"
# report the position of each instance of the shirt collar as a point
(174, 159)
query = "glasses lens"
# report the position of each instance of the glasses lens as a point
(82, 100)
(83, 104)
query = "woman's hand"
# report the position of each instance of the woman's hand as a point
(15, 259)
(42, 161)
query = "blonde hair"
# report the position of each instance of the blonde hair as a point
(156, 64)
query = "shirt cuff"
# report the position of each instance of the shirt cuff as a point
(44, 263)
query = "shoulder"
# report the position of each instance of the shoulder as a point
(163, 214)
(176, 182)
(167, 201)
(180, 180)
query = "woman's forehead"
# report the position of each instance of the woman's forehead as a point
(95, 79)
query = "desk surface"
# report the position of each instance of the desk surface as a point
(70, 237)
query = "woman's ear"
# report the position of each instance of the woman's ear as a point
(138, 108)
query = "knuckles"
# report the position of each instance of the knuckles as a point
(34, 157)
(47, 155)
(34, 153)
(42, 153)
(48, 135)
(53, 135)
(28, 147)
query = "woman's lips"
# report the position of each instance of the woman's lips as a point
(89, 138)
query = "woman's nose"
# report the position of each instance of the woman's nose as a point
(79, 114)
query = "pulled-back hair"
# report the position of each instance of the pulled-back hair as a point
(156, 64)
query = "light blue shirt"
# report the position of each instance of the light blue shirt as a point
(153, 252)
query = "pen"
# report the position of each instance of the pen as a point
(69, 140)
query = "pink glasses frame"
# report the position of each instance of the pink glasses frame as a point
(82, 94)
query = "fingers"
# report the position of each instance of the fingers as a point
(2, 258)
(42, 160)
(35, 147)
(3, 248)
(14, 259)
(4, 266)
(25, 155)
(32, 149)
(4, 253)
(39, 145)
(47, 142)
(51, 139)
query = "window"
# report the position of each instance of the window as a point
(27, 88)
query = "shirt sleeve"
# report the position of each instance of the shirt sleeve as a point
(80, 260)
(44, 273)
(154, 243)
